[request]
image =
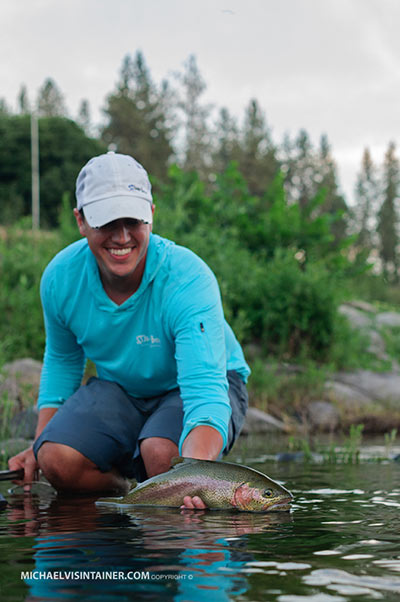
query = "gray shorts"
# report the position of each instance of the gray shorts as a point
(106, 425)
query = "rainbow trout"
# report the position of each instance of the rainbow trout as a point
(221, 485)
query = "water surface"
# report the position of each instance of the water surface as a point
(340, 542)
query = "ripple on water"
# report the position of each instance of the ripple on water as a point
(313, 598)
(392, 564)
(282, 566)
(333, 578)
(329, 491)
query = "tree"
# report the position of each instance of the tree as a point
(257, 155)
(197, 139)
(366, 196)
(227, 141)
(64, 149)
(388, 217)
(311, 180)
(136, 121)
(83, 118)
(23, 101)
(50, 100)
(334, 203)
(4, 108)
(299, 161)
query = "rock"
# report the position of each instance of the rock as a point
(348, 394)
(11, 447)
(258, 421)
(323, 416)
(252, 351)
(356, 318)
(24, 424)
(388, 318)
(299, 456)
(363, 305)
(377, 386)
(20, 380)
(377, 345)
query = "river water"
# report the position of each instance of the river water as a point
(340, 542)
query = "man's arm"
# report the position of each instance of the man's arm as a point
(203, 443)
(26, 459)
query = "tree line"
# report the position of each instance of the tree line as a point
(167, 123)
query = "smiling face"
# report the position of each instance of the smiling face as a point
(120, 249)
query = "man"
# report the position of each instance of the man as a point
(171, 375)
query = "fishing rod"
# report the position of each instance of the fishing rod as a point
(10, 475)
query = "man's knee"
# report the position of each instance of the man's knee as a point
(157, 453)
(61, 464)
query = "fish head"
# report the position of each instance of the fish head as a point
(261, 497)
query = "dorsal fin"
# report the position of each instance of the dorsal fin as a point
(179, 460)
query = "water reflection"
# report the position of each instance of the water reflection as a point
(342, 542)
(179, 555)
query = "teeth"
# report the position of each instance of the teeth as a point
(120, 251)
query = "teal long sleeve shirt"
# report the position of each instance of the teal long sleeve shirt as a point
(170, 333)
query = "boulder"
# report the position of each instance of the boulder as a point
(24, 424)
(258, 421)
(350, 395)
(253, 351)
(388, 318)
(357, 318)
(19, 380)
(377, 345)
(323, 416)
(377, 386)
(362, 305)
(11, 447)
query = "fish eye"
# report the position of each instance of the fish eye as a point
(268, 493)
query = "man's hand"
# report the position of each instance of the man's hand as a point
(193, 503)
(203, 443)
(26, 460)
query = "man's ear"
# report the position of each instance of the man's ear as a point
(152, 211)
(80, 222)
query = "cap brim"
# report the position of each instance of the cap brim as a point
(100, 213)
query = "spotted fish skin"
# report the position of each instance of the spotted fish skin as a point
(221, 485)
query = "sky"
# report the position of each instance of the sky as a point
(328, 66)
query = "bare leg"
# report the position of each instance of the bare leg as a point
(69, 470)
(157, 453)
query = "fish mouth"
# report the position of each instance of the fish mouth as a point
(282, 505)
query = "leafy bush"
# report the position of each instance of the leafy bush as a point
(280, 273)
(23, 257)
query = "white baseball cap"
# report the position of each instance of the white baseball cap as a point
(113, 186)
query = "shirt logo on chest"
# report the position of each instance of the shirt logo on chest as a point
(148, 340)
